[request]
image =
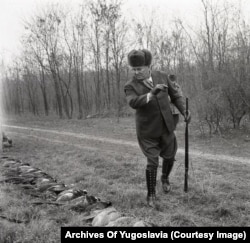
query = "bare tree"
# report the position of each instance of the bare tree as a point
(78, 45)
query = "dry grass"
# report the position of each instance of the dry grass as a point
(218, 190)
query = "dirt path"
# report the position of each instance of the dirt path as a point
(193, 153)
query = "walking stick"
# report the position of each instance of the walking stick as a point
(186, 152)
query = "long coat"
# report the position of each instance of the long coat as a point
(154, 117)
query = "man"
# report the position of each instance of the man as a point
(148, 93)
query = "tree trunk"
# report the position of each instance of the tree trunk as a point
(44, 93)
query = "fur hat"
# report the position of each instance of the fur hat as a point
(138, 58)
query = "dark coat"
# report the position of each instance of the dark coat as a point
(154, 117)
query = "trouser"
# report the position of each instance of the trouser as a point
(165, 146)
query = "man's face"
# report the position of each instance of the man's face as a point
(141, 72)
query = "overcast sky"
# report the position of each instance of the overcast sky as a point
(13, 11)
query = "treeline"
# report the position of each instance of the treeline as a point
(74, 64)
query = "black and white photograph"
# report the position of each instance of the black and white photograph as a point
(124, 120)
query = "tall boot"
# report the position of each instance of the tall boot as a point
(151, 184)
(167, 166)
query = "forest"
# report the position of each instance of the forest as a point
(73, 64)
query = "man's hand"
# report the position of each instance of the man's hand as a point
(158, 88)
(187, 117)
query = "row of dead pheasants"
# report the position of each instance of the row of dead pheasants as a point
(41, 185)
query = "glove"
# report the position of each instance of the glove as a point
(187, 117)
(158, 88)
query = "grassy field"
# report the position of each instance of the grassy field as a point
(108, 164)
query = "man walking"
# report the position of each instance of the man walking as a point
(148, 93)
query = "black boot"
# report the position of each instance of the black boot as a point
(151, 184)
(167, 166)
